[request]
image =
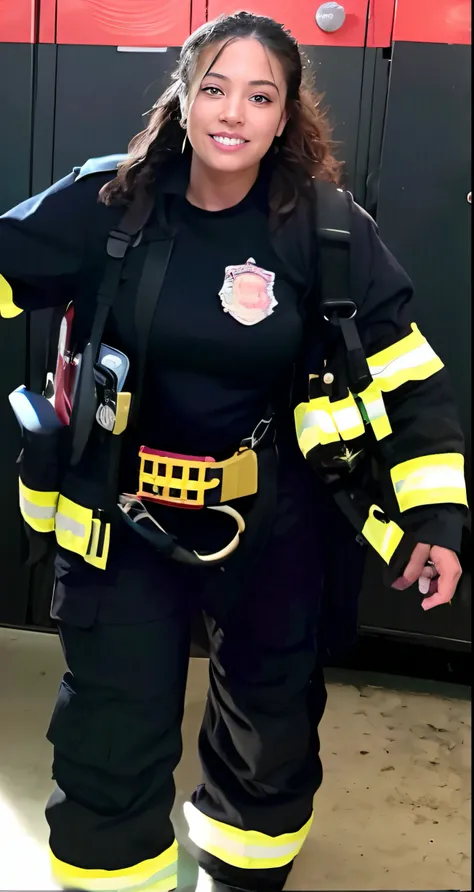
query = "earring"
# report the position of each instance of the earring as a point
(184, 143)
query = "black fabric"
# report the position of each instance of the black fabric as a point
(209, 377)
(55, 243)
(116, 726)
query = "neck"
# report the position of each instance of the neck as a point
(215, 190)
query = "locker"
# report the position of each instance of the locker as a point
(401, 114)
(114, 89)
(425, 219)
(300, 18)
(17, 21)
(17, 29)
(123, 23)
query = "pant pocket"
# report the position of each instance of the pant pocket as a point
(79, 729)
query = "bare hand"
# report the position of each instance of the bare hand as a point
(437, 570)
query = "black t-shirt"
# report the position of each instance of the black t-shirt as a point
(210, 377)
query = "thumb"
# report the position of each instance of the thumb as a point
(414, 568)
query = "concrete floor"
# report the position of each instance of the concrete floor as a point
(393, 812)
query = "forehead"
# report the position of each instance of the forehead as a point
(242, 58)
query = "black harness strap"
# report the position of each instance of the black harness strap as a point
(333, 226)
(126, 236)
(149, 289)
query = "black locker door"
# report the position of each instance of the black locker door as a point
(425, 219)
(102, 93)
(16, 105)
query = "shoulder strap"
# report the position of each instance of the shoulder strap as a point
(127, 235)
(333, 228)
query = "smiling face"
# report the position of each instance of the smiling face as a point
(238, 107)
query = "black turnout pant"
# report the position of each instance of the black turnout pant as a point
(116, 734)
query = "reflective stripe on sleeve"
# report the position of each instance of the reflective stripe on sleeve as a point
(409, 359)
(38, 508)
(430, 480)
(154, 875)
(79, 531)
(319, 422)
(247, 849)
(376, 412)
(8, 310)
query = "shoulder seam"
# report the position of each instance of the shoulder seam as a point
(106, 164)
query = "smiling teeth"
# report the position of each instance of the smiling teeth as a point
(225, 141)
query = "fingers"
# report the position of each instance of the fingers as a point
(449, 575)
(414, 568)
(428, 576)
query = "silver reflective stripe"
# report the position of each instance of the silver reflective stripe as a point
(67, 525)
(36, 511)
(168, 873)
(432, 477)
(318, 418)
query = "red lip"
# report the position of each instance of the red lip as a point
(230, 135)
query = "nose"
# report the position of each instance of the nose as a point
(232, 112)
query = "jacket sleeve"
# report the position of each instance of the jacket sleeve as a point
(423, 454)
(45, 244)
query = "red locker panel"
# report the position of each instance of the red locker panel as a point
(380, 24)
(299, 17)
(433, 21)
(47, 21)
(198, 13)
(134, 23)
(17, 21)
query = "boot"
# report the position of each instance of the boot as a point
(206, 883)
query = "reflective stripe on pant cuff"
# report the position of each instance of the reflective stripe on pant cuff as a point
(247, 849)
(155, 875)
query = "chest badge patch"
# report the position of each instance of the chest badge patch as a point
(247, 293)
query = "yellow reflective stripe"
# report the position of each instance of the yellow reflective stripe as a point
(8, 310)
(376, 412)
(78, 531)
(157, 874)
(314, 424)
(38, 508)
(384, 537)
(430, 480)
(320, 422)
(409, 359)
(92, 557)
(347, 418)
(247, 849)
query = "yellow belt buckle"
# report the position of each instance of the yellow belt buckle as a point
(157, 472)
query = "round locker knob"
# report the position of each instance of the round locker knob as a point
(330, 16)
(469, 197)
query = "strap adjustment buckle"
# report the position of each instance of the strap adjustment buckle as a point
(118, 243)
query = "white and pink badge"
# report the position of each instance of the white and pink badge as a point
(247, 293)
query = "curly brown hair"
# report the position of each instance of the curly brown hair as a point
(304, 151)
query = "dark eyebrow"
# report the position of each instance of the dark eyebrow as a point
(222, 77)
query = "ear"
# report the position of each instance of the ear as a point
(282, 124)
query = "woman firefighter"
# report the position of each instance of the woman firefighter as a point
(195, 263)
